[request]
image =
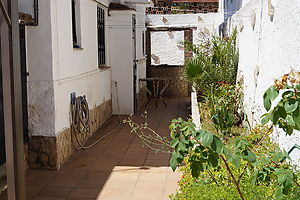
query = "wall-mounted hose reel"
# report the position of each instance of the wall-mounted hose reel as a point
(79, 120)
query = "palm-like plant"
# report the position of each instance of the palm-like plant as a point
(215, 62)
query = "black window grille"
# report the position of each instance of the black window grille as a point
(101, 36)
(143, 43)
(74, 23)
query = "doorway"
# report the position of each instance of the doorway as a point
(24, 75)
(134, 63)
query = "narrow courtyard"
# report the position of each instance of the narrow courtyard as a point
(118, 167)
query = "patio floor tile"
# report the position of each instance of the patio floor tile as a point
(118, 168)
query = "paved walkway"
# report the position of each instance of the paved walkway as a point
(118, 168)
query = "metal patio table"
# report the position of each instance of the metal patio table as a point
(156, 92)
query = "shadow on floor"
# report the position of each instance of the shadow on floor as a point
(118, 167)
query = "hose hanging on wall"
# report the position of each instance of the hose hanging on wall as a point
(79, 119)
(80, 122)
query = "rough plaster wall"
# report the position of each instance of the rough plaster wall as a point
(40, 89)
(167, 48)
(165, 45)
(269, 47)
(41, 112)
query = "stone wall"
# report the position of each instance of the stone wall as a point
(53, 152)
(178, 86)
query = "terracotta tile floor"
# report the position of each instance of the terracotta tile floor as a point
(117, 168)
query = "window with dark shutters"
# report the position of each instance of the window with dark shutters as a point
(101, 36)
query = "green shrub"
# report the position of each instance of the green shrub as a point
(286, 113)
(225, 103)
(215, 62)
(251, 160)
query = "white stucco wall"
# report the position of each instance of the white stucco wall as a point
(269, 47)
(41, 108)
(141, 57)
(121, 51)
(121, 59)
(57, 69)
(166, 45)
(173, 54)
(76, 70)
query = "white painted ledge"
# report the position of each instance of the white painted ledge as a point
(195, 109)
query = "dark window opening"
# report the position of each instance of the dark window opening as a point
(143, 43)
(74, 24)
(101, 36)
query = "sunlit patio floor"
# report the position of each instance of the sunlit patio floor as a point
(119, 167)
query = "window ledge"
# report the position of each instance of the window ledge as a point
(77, 47)
(103, 67)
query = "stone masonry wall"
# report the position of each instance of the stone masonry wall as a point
(53, 152)
(178, 86)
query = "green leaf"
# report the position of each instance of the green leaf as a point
(288, 129)
(291, 105)
(270, 94)
(297, 86)
(214, 160)
(217, 145)
(287, 94)
(290, 120)
(249, 156)
(196, 167)
(236, 161)
(281, 178)
(184, 127)
(273, 93)
(279, 194)
(267, 103)
(265, 118)
(200, 134)
(296, 118)
(185, 141)
(173, 161)
(174, 143)
(278, 157)
(181, 147)
(227, 153)
(278, 112)
(207, 139)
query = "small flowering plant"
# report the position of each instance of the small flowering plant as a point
(286, 113)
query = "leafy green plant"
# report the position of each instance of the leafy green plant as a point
(224, 103)
(207, 153)
(215, 62)
(286, 113)
(203, 188)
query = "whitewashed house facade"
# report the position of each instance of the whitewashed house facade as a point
(79, 47)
